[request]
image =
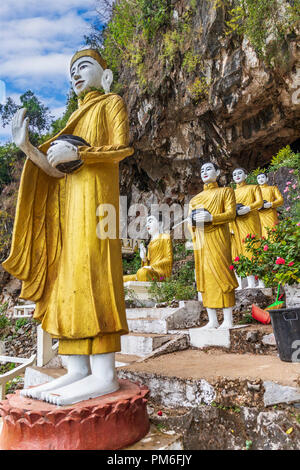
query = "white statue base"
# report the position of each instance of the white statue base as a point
(203, 337)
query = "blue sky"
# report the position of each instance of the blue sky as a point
(38, 38)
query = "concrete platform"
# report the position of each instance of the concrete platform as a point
(193, 377)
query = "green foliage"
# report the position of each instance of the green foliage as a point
(38, 114)
(133, 26)
(276, 259)
(9, 155)
(199, 88)
(132, 266)
(265, 23)
(180, 286)
(285, 157)
(190, 61)
(4, 320)
(171, 289)
(21, 322)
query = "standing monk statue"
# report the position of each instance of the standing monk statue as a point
(272, 198)
(210, 211)
(249, 200)
(72, 273)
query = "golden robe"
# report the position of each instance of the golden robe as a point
(212, 249)
(75, 277)
(248, 195)
(268, 217)
(159, 257)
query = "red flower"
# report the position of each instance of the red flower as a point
(248, 235)
(291, 263)
(236, 259)
(252, 236)
(280, 261)
(256, 277)
(159, 413)
(231, 267)
(266, 248)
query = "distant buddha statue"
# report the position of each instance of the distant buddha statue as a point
(248, 201)
(272, 198)
(157, 261)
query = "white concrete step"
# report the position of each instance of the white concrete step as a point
(163, 320)
(142, 344)
(148, 312)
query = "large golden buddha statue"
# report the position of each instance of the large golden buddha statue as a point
(249, 200)
(157, 261)
(210, 211)
(272, 198)
(73, 274)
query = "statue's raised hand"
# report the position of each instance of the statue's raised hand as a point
(19, 129)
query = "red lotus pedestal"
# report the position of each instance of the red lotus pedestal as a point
(109, 422)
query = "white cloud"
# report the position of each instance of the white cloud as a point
(38, 39)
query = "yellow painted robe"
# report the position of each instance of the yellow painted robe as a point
(74, 277)
(268, 217)
(212, 250)
(248, 195)
(159, 257)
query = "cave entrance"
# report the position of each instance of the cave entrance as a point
(295, 146)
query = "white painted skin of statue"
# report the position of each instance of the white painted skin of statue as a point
(238, 177)
(210, 175)
(263, 179)
(87, 376)
(154, 228)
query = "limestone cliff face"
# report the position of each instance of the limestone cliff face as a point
(248, 114)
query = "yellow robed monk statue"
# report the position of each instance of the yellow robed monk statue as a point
(72, 272)
(272, 198)
(157, 261)
(249, 200)
(209, 214)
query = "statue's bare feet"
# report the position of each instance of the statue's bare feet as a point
(225, 325)
(78, 368)
(210, 324)
(89, 387)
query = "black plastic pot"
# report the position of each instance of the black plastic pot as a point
(286, 327)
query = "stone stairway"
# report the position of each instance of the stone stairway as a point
(152, 330)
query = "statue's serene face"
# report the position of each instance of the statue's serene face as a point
(208, 173)
(262, 179)
(86, 73)
(152, 225)
(239, 175)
